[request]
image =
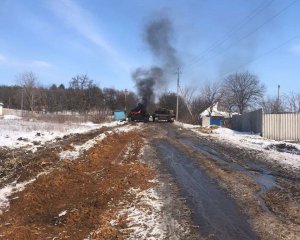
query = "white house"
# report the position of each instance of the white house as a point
(213, 116)
(214, 112)
(1, 108)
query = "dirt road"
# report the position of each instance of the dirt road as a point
(147, 181)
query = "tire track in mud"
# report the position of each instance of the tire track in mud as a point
(216, 214)
(246, 189)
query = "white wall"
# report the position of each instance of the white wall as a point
(1, 109)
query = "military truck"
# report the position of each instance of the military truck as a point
(163, 114)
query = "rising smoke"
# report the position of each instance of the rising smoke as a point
(145, 81)
(158, 35)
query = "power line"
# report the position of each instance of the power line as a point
(235, 29)
(266, 53)
(250, 33)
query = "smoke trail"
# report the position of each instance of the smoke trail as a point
(158, 35)
(145, 81)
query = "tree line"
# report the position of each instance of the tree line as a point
(236, 93)
(239, 92)
(82, 95)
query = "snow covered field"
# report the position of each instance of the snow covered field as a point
(16, 132)
(285, 153)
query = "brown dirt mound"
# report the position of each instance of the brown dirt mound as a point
(85, 190)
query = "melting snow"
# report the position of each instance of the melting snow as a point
(79, 149)
(62, 213)
(16, 132)
(256, 142)
(144, 215)
(10, 189)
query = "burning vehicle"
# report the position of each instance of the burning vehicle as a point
(163, 114)
(139, 114)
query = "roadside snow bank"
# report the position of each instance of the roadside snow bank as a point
(185, 125)
(20, 133)
(285, 154)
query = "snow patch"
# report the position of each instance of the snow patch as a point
(185, 125)
(11, 117)
(284, 156)
(30, 134)
(144, 215)
(80, 149)
(62, 213)
(9, 190)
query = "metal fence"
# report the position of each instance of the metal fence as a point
(285, 126)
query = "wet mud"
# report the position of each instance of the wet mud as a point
(216, 214)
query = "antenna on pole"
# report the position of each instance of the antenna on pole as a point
(178, 72)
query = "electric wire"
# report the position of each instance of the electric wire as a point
(235, 29)
(247, 35)
(265, 53)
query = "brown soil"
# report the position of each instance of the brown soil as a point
(86, 188)
(91, 188)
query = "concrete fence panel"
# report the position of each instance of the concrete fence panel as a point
(282, 126)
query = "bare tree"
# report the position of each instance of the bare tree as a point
(187, 93)
(168, 100)
(29, 83)
(211, 94)
(242, 91)
(273, 105)
(293, 102)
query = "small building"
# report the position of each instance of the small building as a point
(213, 116)
(1, 108)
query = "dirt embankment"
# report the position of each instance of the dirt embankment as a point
(76, 199)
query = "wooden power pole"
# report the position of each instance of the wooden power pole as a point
(177, 102)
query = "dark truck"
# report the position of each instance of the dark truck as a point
(138, 114)
(163, 114)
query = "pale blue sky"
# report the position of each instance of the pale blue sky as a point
(57, 39)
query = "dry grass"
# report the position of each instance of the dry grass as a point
(74, 118)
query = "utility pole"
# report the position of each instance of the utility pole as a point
(278, 99)
(22, 101)
(177, 103)
(125, 99)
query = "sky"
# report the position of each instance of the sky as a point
(58, 39)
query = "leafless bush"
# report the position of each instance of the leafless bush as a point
(101, 116)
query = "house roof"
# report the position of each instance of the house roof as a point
(215, 112)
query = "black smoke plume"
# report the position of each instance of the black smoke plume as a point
(158, 35)
(145, 82)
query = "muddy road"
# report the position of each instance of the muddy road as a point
(233, 192)
(145, 181)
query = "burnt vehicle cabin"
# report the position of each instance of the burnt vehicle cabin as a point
(139, 114)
